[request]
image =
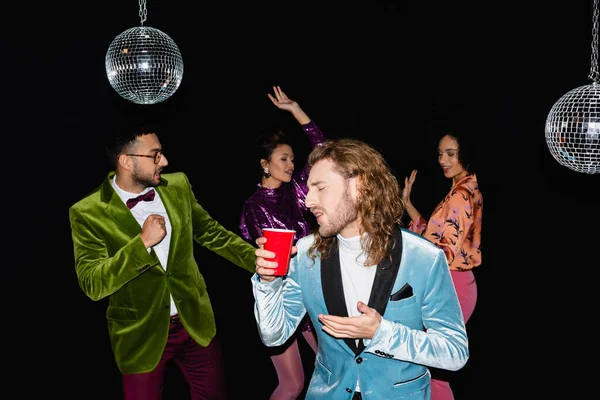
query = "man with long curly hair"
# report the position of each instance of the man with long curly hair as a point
(381, 297)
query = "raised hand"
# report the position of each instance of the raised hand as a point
(408, 182)
(281, 101)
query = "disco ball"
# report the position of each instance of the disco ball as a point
(573, 129)
(144, 65)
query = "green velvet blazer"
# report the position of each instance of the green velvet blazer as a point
(112, 262)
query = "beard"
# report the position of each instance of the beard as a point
(144, 178)
(345, 213)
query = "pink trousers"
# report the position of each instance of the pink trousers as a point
(466, 289)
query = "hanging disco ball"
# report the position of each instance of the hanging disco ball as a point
(144, 65)
(573, 129)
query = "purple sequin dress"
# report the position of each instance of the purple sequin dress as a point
(283, 207)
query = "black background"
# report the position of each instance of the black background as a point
(384, 72)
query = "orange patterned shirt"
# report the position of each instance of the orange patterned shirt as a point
(455, 224)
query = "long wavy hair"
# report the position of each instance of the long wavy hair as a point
(379, 201)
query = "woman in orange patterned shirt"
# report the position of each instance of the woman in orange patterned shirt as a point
(455, 226)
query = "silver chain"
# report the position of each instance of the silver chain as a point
(594, 68)
(144, 11)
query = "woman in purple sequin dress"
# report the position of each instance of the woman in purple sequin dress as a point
(278, 202)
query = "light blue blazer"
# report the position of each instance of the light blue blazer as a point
(422, 324)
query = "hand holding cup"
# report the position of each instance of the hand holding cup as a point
(274, 252)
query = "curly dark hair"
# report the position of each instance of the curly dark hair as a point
(465, 154)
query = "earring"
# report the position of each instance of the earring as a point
(266, 173)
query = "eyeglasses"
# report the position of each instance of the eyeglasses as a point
(157, 156)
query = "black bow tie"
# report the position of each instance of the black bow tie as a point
(148, 196)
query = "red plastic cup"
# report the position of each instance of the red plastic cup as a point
(279, 241)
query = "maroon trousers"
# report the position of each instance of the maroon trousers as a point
(202, 368)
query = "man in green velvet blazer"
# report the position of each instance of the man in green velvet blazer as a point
(142, 259)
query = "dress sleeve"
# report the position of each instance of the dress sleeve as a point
(451, 222)
(314, 134)
(252, 221)
(418, 225)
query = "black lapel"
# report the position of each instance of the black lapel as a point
(333, 289)
(385, 276)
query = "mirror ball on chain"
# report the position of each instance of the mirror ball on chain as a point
(144, 65)
(573, 129)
